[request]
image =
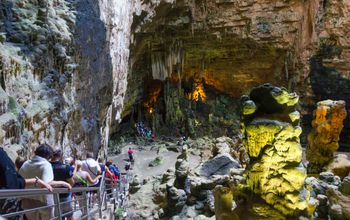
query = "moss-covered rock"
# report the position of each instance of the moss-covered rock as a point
(271, 137)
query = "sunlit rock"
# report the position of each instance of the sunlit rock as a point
(224, 204)
(323, 139)
(271, 137)
(340, 165)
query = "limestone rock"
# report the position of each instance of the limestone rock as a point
(340, 165)
(224, 204)
(345, 186)
(323, 139)
(182, 168)
(200, 184)
(156, 162)
(176, 199)
(203, 217)
(248, 107)
(339, 204)
(219, 165)
(271, 138)
(135, 185)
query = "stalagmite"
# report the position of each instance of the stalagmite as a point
(271, 137)
(324, 137)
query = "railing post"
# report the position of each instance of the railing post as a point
(85, 197)
(100, 194)
(58, 205)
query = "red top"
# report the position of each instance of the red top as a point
(130, 151)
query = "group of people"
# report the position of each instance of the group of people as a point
(47, 170)
(144, 131)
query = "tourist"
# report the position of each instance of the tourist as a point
(40, 167)
(10, 179)
(63, 172)
(127, 166)
(105, 168)
(83, 179)
(91, 166)
(70, 161)
(114, 169)
(131, 155)
(19, 162)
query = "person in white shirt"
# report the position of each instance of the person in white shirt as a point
(40, 167)
(91, 166)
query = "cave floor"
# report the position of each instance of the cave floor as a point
(147, 154)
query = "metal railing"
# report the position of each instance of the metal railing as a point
(90, 200)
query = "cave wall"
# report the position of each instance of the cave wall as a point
(235, 45)
(71, 70)
(63, 67)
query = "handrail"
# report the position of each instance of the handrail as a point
(107, 191)
(7, 193)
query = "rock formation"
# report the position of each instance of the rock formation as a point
(340, 165)
(63, 69)
(332, 195)
(224, 204)
(323, 139)
(271, 137)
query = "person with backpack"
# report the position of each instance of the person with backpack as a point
(11, 179)
(114, 170)
(83, 179)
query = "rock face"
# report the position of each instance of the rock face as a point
(271, 137)
(235, 45)
(63, 68)
(323, 139)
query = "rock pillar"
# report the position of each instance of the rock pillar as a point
(270, 125)
(323, 139)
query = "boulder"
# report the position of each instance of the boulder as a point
(340, 165)
(200, 184)
(135, 185)
(339, 204)
(221, 148)
(156, 162)
(345, 186)
(330, 178)
(219, 165)
(176, 199)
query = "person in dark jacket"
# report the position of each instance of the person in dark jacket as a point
(10, 179)
(63, 172)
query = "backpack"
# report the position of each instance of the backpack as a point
(80, 183)
(10, 179)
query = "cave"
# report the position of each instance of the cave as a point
(233, 109)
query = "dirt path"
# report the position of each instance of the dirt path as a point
(144, 157)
